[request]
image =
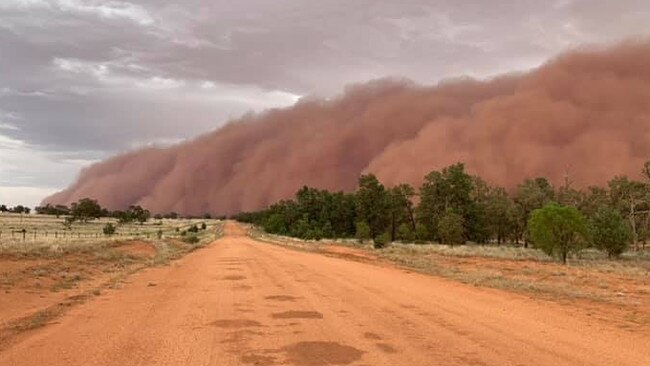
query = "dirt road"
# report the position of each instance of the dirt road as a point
(242, 302)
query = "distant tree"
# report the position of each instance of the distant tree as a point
(631, 198)
(501, 214)
(20, 209)
(451, 228)
(450, 189)
(532, 194)
(3, 208)
(158, 216)
(85, 209)
(372, 204)
(139, 214)
(109, 229)
(609, 231)
(558, 230)
(400, 208)
(207, 216)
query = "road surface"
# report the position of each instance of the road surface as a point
(242, 302)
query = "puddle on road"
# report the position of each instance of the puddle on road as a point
(293, 314)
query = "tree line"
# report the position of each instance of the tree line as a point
(19, 209)
(454, 207)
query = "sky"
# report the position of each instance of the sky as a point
(84, 80)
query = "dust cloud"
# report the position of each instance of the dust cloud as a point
(586, 112)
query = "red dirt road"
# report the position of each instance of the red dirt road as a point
(242, 302)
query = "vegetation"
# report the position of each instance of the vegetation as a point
(454, 207)
(558, 230)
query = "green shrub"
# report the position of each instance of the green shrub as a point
(362, 231)
(381, 241)
(609, 231)
(109, 229)
(191, 239)
(451, 228)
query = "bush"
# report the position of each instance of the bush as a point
(405, 233)
(109, 229)
(362, 231)
(203, 226)
(193, 229)
(191, 239)
(381, 241)
(451, 229)
(609, 232)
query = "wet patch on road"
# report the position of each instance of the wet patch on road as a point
(295, 314)
(242, 288)
(281, 298)
(321, 354)
(234, 278)
(370, 335)
(235, 323)
(385, 347)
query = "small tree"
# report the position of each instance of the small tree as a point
(451, 228)
(363, 231)
(109, 229)
(610, 232)
(85, 210)
(558, 230)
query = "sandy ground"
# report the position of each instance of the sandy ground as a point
(242, 302)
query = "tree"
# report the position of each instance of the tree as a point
(451, 228)
(400, 207)
(139, 214)
(631, 198)
(610, 232)
(501, 214)
(3, 208)
(558, 230)
(450, 189)
(85, 210)
(372, 204)
(531, 195)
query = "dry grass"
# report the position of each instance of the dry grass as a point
(50, 271)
